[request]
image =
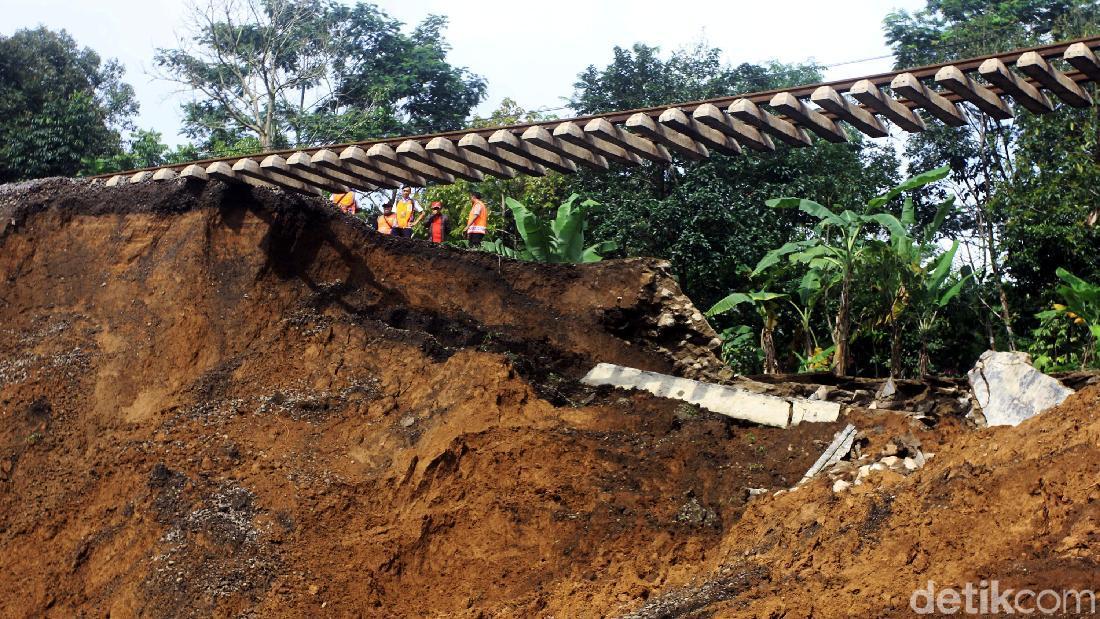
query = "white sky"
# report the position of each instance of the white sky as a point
(530, 51)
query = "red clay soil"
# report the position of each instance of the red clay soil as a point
(223, 401)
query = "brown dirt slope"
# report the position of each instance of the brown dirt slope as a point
(223, 401)
(1017, 505)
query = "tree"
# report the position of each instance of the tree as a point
(839, 244)
(312, 71)
(983, 154)
(913, 270)
(407, 76)
(765, 304)
(252, 61)
(59, 105)
(1051, 204)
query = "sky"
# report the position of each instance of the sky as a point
(529, 51)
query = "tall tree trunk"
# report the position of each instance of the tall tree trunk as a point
(767, 342)
(995, 267)
(895, 349)
(925, 362)
(843, 326)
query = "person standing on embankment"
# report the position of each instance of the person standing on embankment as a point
(438, 224)
(477, 221)
(409, 213)
(387, 220)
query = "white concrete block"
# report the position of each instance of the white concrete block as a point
(737, 403)
(818, 411)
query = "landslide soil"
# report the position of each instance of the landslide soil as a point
(220, 401)
(1019, 505)
(217, 400)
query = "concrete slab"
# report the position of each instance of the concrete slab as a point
(841, 445)
(818, 411)
(758, 408)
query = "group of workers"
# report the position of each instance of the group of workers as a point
(403, 213)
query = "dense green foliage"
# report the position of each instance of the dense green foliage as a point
(558, 240)
(308, 72)
(845, 247)
(59, 105)
(1024, 185)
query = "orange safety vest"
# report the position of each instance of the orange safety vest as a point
(404, 210)
(478, 220)
(386, 224)
(346, 201)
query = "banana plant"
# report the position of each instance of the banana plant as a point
(559, 240)
(931, 293)
(912, 274)
(764, 302)
(1082, 307)
(840, 244)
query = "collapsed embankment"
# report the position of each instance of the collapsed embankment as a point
(217, 399)
(223, 401)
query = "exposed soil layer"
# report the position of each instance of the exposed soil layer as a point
(1020, 506)
(223, 401)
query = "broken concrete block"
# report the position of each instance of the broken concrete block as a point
(840, 447)
(889, 388)
(1009, 390)
(822, 393)
(813, 410)
(737, 403)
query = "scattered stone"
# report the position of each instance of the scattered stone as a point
(822, 393)
(693, 513)
(666, 320)
(407, 421)
(888, 390)
(840, 486)
(891, 461)
(1009, 390)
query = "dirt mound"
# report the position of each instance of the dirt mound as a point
(217, 400)
(1020, 506)
(220, 400)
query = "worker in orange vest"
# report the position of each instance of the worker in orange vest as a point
(408, 212)
(477, 221)
(438, 224)
(345, 202)
(387, 220)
